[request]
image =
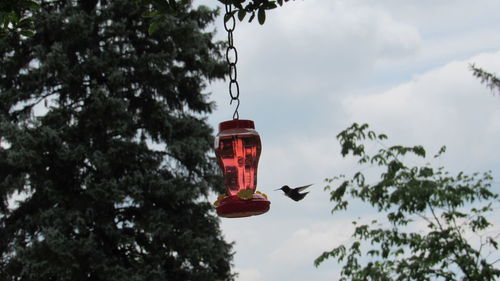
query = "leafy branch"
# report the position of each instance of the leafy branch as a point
(242, 9)
(15, 17)
(252, 8)
(403, 192)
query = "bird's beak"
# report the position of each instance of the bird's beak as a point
(277, 189)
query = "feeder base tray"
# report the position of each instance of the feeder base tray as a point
(235, 207)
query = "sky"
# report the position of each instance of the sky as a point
(317, 66)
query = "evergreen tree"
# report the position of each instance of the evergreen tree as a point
(105, 147)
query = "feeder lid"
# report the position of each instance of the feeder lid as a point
(235, 124)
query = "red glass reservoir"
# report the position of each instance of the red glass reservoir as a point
(238, 147)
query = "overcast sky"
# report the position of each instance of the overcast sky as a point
(315, 67)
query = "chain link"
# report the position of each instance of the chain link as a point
(232, 59)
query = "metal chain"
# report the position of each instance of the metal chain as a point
(234, 87)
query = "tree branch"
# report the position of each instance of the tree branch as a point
(491, 80)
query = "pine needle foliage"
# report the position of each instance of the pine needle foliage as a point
(489, 79)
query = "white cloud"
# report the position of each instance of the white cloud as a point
(316, 44)
(439, 18)
(306, 244)
(444, 106)
(312, 26)
(248, 274)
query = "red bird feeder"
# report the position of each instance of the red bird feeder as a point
(237, 147)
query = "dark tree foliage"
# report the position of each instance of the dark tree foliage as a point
(450, 208)
(105, 147)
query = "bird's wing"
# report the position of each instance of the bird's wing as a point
(301, 188)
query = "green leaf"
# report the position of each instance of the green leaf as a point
(251, 17)
(27, 33)
(150, 14)
(371, 135)
(426, 172)
(493, 243)
(32, 5)
(269, 5)
(440, 152)
(419, 150)
(228, 16)
(12, 17)
(261, 16)
(153, 27)
(239, 6)
(24, 23)
(172, 4)
(241, 14)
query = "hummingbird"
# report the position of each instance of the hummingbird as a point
(294, 193)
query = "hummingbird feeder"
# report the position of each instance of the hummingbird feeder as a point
(237, 148)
